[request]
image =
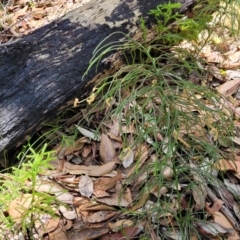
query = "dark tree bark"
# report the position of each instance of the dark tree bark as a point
(42, 71)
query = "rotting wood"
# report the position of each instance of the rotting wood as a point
(42, 71)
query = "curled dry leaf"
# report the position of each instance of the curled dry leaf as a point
(107, 150)
(86, 186)
(102, 184)
(87, 133)
(76, 146)
(86, 150)
(127, 157)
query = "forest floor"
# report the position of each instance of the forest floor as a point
(21, 17)
(153, 153)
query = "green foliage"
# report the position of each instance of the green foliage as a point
(23, 180)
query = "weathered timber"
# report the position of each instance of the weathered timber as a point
(40, 72)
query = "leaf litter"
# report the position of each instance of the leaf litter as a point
(105, 183)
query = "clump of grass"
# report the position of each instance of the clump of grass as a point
(182, 122)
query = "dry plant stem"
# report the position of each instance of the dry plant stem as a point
(224, 210)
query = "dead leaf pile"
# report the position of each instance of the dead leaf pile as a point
(21, 17)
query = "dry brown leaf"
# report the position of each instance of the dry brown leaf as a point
(99, 193)
(115, 200)
(87, 233)
(220, 219)
(236, 140)
(126, 233)
(199, 196)
(77, 169)
(159, 192)
(199, 192)
(53, 188)
(81, 203)
(114, 127)
(223, 165)
(229, 88)
(67, 224)
(235, 165)
(100, 207)
(100, 216)
(128, 129)
(70, 215)
(141, 156)
(107, 150)
(210, 228)
(232, 187)
(58, 234)
(107, 183)
(102, 170)
(20, 13)
(86, 186)
(234, 236)
(86, 150)
(113, 137)
(140, 202)
(38, 13)
(229, 64)
(217, 205)
(168, 171)
(52, 224)
(19, 206)
(76, 146)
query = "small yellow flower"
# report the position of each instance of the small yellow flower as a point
(76, 102)
(154, 82)
(109, 101)
(91, 98)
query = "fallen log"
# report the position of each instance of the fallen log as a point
(42, 71)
